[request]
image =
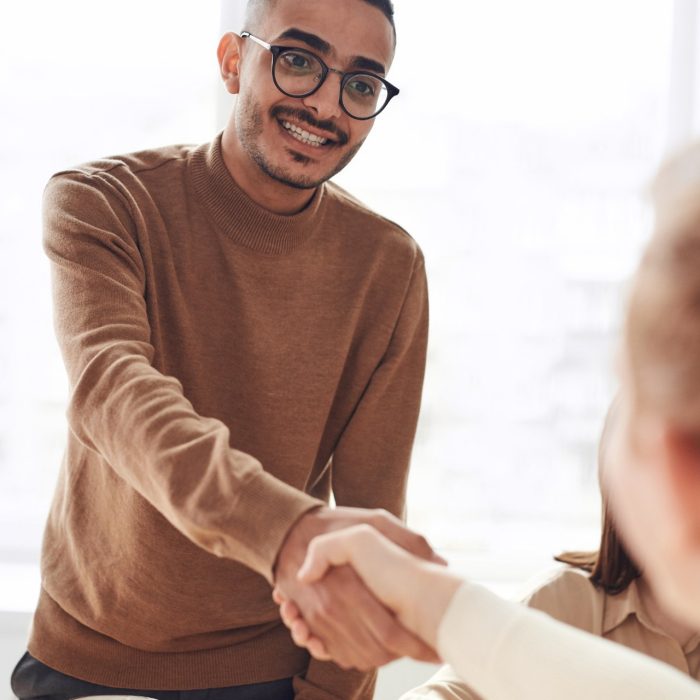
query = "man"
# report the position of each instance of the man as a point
(241, 339)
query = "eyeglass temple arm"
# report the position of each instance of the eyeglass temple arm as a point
(248, 35)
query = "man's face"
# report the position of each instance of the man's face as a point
(344, 34)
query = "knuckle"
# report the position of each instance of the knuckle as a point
(364, 529)
(373, 519)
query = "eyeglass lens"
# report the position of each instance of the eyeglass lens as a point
(298, 73)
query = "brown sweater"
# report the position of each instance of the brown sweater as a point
(228, 367)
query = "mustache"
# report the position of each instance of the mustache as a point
(303, 116)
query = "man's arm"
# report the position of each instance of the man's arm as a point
(370, 469)
(134, 416)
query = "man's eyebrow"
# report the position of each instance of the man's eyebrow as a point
(315, 42)
(362, 63)
(322, 46)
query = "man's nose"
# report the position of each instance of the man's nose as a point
(325, 102)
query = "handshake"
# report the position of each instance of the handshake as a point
(357, 587)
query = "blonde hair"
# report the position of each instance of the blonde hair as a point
(662, 328)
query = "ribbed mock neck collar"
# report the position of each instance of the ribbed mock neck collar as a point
(239, 217)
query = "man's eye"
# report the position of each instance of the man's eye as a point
(296, 61)
(361, 87)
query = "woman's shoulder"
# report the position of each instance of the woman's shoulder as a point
(568, 594)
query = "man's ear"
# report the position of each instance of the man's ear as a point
(682, 469)
(229, 55)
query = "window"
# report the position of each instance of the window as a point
(516, 155)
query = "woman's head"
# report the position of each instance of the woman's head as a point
(662, 327)
(654, 475)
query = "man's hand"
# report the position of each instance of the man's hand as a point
(416, 590)
(344, 621)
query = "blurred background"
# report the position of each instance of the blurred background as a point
(516, 155)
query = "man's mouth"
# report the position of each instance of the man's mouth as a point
(304, 128)
(304, 136)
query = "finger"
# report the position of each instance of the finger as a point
(277, 596)
(316, 562)
(393, 529)
(427, 654)
(289, 613)
(300, 632)
(317, 649)
(437, 559)
(332, 549)
(432, 658)
(290, 610)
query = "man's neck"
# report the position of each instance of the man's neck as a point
(276, 197)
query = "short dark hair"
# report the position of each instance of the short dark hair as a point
(256, 7)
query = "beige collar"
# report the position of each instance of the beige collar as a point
(632, 602)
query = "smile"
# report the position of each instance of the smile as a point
(304, 136)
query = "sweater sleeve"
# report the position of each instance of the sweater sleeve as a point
(370, 462)
(371, 459)
(506, 651)
(136, 418)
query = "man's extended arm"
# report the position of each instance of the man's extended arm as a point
(134, 416)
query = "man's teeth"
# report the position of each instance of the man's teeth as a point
(304, 136)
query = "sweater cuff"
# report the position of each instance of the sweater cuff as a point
(269, 507)
(473, 626)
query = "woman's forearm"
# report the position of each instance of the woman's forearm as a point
(504, 650)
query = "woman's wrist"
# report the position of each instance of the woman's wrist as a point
(435, 586)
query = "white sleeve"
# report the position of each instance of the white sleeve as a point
(505, 650)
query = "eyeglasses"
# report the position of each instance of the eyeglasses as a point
(300, 73)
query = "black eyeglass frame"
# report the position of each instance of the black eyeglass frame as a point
(277, 50)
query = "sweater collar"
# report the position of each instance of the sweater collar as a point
(239, 217)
